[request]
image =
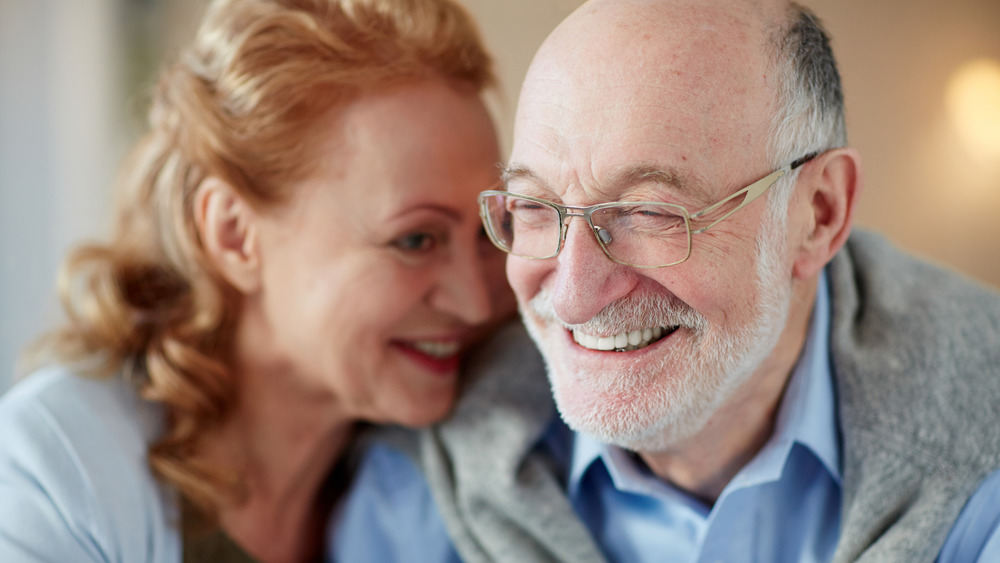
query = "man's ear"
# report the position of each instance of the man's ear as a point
(228, 229)
(827, 190)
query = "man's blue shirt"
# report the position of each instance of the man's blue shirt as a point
(783, 506)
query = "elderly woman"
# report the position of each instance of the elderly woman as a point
(297, 250)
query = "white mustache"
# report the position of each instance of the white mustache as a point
(632, 312)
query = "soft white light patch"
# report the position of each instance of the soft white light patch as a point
(973, 104)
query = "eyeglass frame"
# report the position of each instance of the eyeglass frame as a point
(752, 191)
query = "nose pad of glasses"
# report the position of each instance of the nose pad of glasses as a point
(603, 234)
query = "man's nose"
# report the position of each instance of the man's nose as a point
(586, 280)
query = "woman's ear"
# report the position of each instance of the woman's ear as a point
(228, 228)
(823, 206)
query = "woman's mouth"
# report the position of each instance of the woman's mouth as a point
(439, 356)
(437, 349)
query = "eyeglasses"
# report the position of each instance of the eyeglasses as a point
(639, 234)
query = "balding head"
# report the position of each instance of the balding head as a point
(638, 31)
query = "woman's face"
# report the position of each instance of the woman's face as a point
(376, 273)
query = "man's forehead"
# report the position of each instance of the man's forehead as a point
(694, 57)
(645, 41)
(668, 83)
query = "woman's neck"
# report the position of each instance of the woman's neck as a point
(284, 443)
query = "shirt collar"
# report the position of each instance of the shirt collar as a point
(808, 413)
(806, 416)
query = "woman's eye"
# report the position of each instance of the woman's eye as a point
(416, 242)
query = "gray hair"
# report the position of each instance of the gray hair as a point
(810, 114)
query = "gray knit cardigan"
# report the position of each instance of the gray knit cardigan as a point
(916, 358)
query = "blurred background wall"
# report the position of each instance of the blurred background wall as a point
(922, 83)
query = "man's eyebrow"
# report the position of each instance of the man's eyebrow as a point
(624, 179)
(644, 172)
(517, 172)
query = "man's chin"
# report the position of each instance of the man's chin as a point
(629, 404)
(621, 418)
(649, 415)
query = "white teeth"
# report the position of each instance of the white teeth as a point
(621, 340)
(626, 341)
(437, 349)
(587, 340)
(635, 337)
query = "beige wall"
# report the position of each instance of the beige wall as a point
(923, 189)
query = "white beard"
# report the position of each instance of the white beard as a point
(651, 405)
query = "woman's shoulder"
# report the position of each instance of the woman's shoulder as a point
(73, 472)
(97, 420)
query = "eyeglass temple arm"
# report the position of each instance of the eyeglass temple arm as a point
(753, 191)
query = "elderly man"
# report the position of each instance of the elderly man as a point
(738, 377)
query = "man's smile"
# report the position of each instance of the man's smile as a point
(622, 342)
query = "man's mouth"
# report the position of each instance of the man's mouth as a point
(624, 342)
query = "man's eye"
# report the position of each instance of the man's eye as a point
(416, 242)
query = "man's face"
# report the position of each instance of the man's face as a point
(690, 107)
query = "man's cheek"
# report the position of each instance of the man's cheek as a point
(522, 280)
